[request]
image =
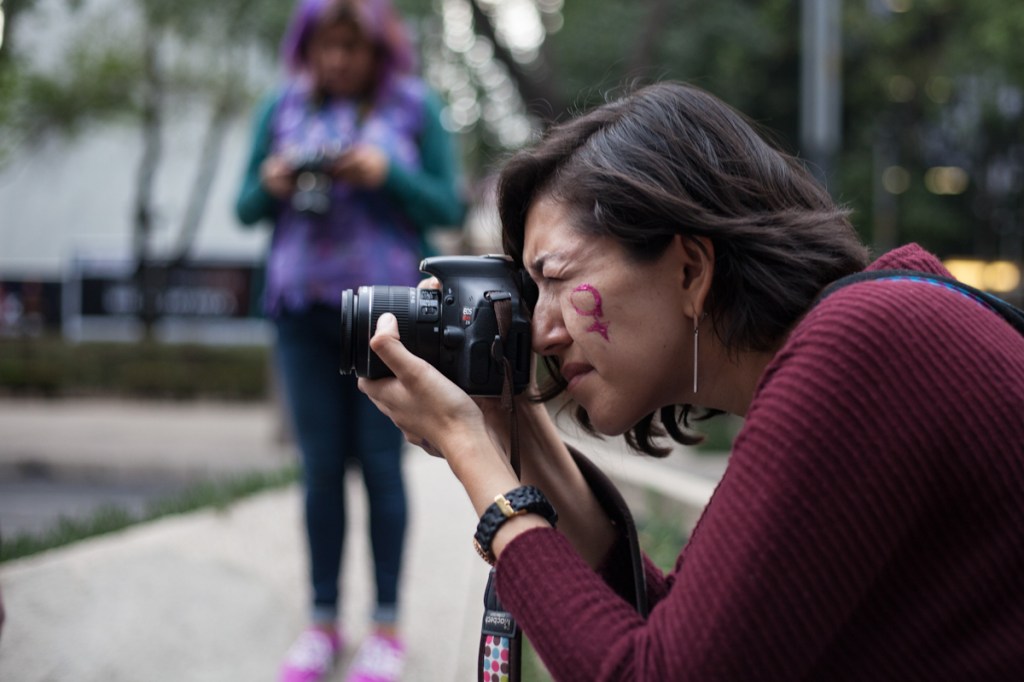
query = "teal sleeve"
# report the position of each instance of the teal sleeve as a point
(430, 196)
(254, 203)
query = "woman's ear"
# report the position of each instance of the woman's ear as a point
(696, 259)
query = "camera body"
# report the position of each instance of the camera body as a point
(454, 328)
(313, 180)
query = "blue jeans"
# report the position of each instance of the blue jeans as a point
(336, 424)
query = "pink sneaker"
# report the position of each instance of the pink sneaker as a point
(379, 659)
(311, 657)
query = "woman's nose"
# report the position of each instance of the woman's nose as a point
(549, 332)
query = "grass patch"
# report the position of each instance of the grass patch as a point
(53, 367)
(533, 669)
(719, 432)
(111, 518)
(661, 531)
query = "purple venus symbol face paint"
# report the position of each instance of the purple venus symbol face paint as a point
(586, 301)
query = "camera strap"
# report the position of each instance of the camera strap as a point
(499, 657)
(501, 641)
(502, 302)
(1013, 315)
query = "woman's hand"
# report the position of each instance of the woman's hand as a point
(439, 416)
(429, 409)
(277, 176)
(363, 165)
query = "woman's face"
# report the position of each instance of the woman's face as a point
(618, 326)
(342, 60)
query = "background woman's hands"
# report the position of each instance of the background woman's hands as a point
(278, 176)
(363, 165)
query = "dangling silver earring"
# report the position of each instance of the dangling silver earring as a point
(696, 329)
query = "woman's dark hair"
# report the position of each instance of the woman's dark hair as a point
(671, 159)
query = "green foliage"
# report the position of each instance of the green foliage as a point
(202, 51)
(719, 433)
(112, 518)
(660, 528)
(53, 367)
(533, 669)
(958, 65)
(929, 87)
(93, 90)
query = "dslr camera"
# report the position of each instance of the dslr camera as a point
(312, 172)
(454, 328)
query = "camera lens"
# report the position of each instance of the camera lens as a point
(359, 314)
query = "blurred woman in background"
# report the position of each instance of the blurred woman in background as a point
(351, 165)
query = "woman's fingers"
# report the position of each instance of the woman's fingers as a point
(429, 283)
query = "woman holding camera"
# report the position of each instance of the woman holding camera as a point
(350, 163)
(869, 523)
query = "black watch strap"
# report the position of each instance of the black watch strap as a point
(522, 500)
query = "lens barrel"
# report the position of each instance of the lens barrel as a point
(360, 311)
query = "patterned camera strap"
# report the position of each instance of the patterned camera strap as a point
(501, 643)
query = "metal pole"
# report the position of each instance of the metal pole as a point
(820, 85)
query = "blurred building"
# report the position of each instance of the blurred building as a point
(67, 202)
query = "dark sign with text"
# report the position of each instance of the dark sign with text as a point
(190, 291)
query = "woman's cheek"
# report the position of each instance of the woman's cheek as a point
(587, 304)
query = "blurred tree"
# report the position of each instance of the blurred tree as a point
(934, 120)
(171, 54)
(933, 95)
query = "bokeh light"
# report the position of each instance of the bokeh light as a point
(896, 179)
(476, 84)
(899, 6)
(946, 180)
(900, 88)
(1001, 276)
(939, 89)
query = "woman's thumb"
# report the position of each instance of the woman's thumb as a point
(387, 324)
(385, 340)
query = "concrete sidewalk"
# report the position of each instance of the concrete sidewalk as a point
(215, 595)
(218, 595)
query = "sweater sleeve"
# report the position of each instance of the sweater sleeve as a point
(430, 195)
(831, 535)
(254, 204)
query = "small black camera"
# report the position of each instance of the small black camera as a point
(454, 328)
(313, 182)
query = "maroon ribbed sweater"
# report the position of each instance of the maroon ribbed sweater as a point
(870, 524)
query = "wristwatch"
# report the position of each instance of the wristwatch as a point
(522, 500)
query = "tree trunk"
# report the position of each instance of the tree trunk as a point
(206, 170)
(151, 114)
(536, 86)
